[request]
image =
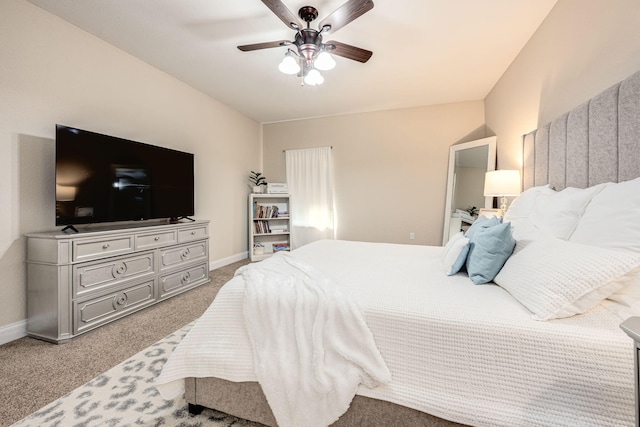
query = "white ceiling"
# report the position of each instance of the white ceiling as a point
(425, 52)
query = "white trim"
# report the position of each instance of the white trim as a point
(13, 331)
(228, 260)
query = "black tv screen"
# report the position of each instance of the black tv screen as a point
(101, 178)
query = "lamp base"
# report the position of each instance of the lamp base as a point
(503, 204)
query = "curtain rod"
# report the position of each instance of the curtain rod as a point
(284, 151)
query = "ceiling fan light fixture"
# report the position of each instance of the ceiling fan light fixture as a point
(310, 52)
(324, 61)
(289, 64)
(313, 78)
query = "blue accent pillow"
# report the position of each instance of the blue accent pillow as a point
(482, 222)
(489, 249)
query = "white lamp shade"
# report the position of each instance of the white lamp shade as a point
(314, 78)
(502, 183)
(324, 62)
(289, 65)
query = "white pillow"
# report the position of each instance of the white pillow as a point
(554, 278)
(450, 243)
(452, 252)
(625, 302)
(557, 214)
(522, 230)
(612, 219)
(522, 205)
(520, 210)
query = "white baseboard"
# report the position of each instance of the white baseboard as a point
(13, 331)
(228, 260)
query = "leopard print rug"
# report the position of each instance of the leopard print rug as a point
(125, 396)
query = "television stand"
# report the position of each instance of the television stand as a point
(77, 282)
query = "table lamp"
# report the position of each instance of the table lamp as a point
(502, 183)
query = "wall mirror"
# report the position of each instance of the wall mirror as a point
(468, 163)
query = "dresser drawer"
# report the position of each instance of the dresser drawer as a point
(179, 281)
(100, 310)
(156, 239)
(96, 276)
(192, 233)
(100, 248)
(176, 256)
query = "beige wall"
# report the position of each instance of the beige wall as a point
(52, 72)
(390, 167)
(583, 47)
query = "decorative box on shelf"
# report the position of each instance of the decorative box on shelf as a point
(277, 188)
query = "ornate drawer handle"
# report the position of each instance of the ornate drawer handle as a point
(156, 238)
(119, 270)
(185, 254)
(186, 277)
(193, 233)
(105, 246)
(119, 301)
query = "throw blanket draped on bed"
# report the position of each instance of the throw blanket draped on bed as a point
(311, 345)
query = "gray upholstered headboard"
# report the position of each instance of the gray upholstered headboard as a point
(596, 142)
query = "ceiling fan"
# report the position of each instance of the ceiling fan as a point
(311, 53)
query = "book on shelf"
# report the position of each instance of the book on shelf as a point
(265, 211)
(280, 247)
(262, 227)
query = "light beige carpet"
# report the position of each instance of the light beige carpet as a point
(34, 373)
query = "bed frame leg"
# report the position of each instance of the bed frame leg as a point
(195, 409)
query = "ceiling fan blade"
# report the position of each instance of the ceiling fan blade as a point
(350, 52)
(282, 12)
(346, 13)
(265, 45)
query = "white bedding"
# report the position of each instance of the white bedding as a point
(311, 345)
(467, 353)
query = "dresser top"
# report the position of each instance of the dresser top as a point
(92, 230)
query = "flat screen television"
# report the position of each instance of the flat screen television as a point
(101, 178)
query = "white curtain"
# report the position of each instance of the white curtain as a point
(310, 181)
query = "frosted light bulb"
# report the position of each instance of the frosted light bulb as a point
(324, 62)
(289, 65)
(314, 78)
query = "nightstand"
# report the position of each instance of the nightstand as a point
(632, 327)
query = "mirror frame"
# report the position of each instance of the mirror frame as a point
(491, 165)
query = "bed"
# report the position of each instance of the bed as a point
(526, 348)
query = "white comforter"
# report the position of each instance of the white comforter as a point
(466, 353)
(311, 345)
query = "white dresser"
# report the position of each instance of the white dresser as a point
(79, 281)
